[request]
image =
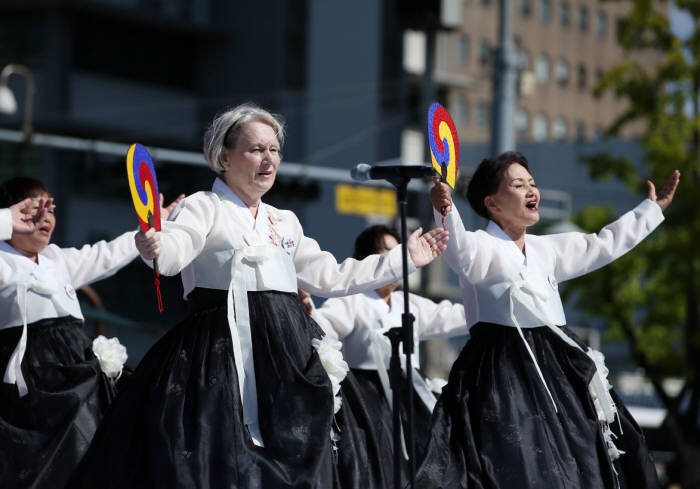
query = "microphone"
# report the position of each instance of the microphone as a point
(363, 172)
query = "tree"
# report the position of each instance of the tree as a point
(650, 296)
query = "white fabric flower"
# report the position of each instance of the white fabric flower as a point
(436, 384)
(111, 355)
(336, 367)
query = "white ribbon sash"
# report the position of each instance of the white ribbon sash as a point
(241, 337)
(13, 372)
(598, 388)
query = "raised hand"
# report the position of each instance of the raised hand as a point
(165, 211)
(28, 214)
(665, 195)
(424, 248)
(440, 196)
(148, 244)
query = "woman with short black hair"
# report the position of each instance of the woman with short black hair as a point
(527, 404)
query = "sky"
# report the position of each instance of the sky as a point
(681, 23)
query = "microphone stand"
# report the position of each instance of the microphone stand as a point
(397, 335)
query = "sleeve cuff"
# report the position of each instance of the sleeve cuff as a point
(5, 224)
(396, 262)
(652, 211)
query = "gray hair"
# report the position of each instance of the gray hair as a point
(224, 130)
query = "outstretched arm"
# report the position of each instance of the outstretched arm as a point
(593, 251)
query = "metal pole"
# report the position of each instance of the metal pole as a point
(504, 80)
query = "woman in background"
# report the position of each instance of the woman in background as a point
(359, 321)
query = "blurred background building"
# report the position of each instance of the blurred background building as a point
(354, 81)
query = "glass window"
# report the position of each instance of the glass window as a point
(482, 115)
(484, 52)
(601, 25)
(522, 121)
(583, 18)
(559, 129)
(462, 111)
(580, 131)
(581, 77)
(525, 8)
(463, 49)
(539, 127)
(542, 69)
(564, 14)
(485, 2)
(545, 10)
(561, 72)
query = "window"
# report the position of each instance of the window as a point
(482, 115)
(561, 72)
(581, 77)
(539, 127)
(601, 25)
(559, 129)
(484, 52)
(542, 69)
(525, 8)
(583, 18)
(463, 49)
(545, 10)
(485, 2)
(564, 17)
(522, 120)
(462, 111)
(580, 131)
(523, 60)
(598, 133)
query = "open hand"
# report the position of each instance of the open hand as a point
(440, 196)
(28, 214)
(424, 248)
(165, 211)
(665, 195)
(148, 244)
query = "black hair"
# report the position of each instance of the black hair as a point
(19, 188)
(488, 176)
(371, 240)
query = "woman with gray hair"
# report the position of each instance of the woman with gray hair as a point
(242, 393)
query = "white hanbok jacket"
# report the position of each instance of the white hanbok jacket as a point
(359, 321)
(502, 285)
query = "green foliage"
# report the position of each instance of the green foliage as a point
(649, 296)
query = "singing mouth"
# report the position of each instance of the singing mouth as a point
(532, 205)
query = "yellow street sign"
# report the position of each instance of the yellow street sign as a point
(357, 199)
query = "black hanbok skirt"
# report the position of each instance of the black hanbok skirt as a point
(44, 434)
(373, 400)
(178, 423)
(495, 427)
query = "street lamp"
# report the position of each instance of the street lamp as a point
(8, 103)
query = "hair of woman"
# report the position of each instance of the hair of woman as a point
(19, 188)
(224, 130)
(371, 240)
